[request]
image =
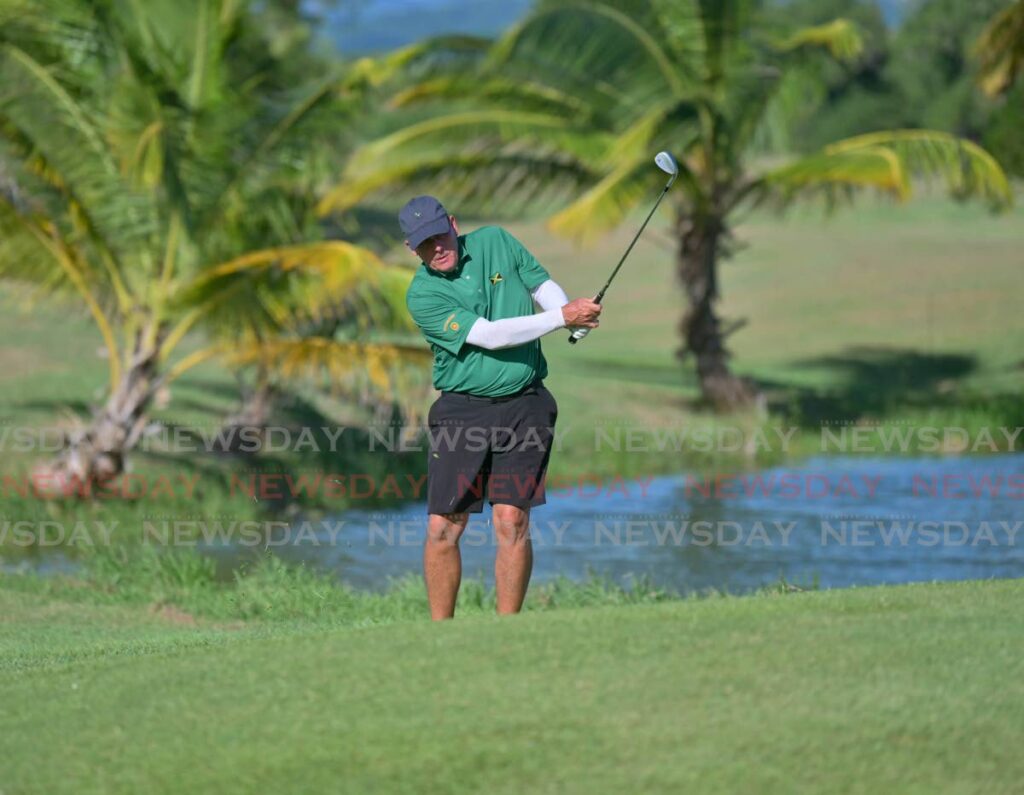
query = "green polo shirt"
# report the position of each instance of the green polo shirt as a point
(493, 280)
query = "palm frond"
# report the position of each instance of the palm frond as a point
(53, 129)
(318, 356)
(967, 170)
(337, 265)
(499, 90)
(609, 48)
(833, 175)
(374, 72)
(840, 38)
(680, 27)
(1000, 50)
(606, 204)
(458, 138)
(464, 126)
(493, 177)
(722, 23)
(24, 256)
(301, 290)
(891, 162)
(63, 211)
(634, 142)
(46, 255)
(382, 305)
(262, 148)
(765, 106)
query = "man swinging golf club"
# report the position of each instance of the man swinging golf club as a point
(493, 425)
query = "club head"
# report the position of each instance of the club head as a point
(668, 164)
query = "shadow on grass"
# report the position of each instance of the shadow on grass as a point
(878, 381)
(674, 376)
(82, 408)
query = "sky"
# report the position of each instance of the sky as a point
(361, 26)
(365, 26)
(895, 10)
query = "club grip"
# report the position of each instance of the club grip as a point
(577, 335)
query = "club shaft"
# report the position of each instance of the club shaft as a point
(636, 237)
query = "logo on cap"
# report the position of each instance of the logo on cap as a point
(423, 217)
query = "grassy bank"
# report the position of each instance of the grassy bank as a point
(906, 689)
(185, 583)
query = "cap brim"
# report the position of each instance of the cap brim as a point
(438, 227)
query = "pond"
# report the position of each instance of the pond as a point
(833, 521)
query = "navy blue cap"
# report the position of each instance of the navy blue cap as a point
(423, 217)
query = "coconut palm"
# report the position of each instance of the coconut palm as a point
(1000, 49)
(155, 180)
(585, 91)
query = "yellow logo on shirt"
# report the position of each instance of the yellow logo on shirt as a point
(455, 326)
(496, 278)
(448, 323)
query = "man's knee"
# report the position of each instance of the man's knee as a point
(446, 528)
(511, 524)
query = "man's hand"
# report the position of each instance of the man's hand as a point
(581, 313)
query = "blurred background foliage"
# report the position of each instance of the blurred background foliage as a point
(181, 172)
(921, 71)
(919, 66)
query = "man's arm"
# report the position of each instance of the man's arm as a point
(507, 333)
(443, 323)
(549, 295)
(494, 335)
(497, 334)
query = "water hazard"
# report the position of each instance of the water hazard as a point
(837, 521)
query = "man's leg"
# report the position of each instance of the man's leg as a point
(442, 562)
(513, 561)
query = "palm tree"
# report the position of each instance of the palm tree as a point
(1000, 49)
(585, 91)
(152, 170)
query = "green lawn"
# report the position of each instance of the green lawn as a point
(912, 689)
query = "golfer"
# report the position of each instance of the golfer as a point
(492, 428)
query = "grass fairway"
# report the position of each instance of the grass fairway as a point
(905, 689)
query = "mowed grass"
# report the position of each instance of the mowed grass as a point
(911, 689)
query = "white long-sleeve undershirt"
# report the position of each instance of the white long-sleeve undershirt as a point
(496, 334)
(550, 296)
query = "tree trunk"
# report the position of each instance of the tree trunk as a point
(96, 454)
(258, 403)
(697, 262)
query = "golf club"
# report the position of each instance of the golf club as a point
(668, 164)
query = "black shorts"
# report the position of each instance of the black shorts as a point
(493, 448)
